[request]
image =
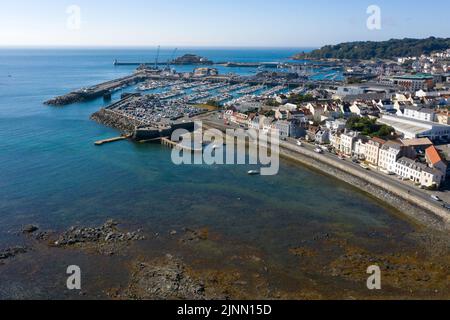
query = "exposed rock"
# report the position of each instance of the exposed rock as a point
(322, 236)
(30, 229)
(303, 252)
(12, 252)
(195, 235)
(104, 238)
(399, 270)
(164, 279)
(43, 236)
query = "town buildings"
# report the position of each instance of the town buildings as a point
(413, 128)
(415, 101)
(373, 147)
(412, 82)
(389, 154)
(419, 113)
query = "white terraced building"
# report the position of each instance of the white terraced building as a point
(413, 128)
(348, 140)
(419, 113)
(390, 152)
(418, 172)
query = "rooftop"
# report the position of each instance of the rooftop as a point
(415, 165)
(420, 109)
(392, 144)
(433, 155)
(378, 140)
(410, 125)
(398, 124)
(417, 142)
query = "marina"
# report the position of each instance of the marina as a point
(201, 83)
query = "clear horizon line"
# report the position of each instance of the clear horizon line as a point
(150, 47)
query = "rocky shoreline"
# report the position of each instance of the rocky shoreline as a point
(12, 252)
(161, 276)
(163, 279)
(107, 239)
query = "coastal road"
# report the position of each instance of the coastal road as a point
(213, 121)
(392, 180)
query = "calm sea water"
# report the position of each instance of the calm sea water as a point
(52, 174)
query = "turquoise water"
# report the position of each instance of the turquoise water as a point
(51, 174)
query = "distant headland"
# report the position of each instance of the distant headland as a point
(367, 50)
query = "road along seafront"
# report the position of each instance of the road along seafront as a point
(412, 203)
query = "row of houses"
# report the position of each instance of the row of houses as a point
(287, 126)
(413, 159)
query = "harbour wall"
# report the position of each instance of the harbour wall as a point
(115, 120)
(97, 91)
(134, 128)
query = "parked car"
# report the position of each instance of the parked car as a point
(318, 150)
(364, 166)
(436, 198)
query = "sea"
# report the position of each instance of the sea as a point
(52, 175)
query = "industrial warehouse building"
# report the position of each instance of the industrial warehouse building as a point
(414, 128)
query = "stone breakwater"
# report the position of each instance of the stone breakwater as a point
(112, 119)
(97, 91)
(399, 199)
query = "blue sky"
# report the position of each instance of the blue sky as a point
(249, 23)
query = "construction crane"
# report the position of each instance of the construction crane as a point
(157, 57)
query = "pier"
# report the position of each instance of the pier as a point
(222, 64)
(110, 140)
(100, 90)
(172, 144)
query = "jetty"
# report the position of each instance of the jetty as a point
(165, 141)
(199, 63)
(110, 140)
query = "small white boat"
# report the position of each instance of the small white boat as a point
(254, 172)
